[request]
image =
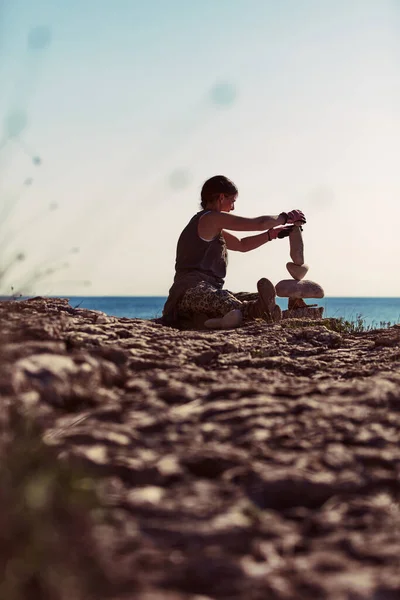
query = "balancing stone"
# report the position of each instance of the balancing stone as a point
(296, 246)
(297, 271)
(290, 288)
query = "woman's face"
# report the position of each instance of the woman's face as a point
(227, 203)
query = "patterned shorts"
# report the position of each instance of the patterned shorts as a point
(207, 299)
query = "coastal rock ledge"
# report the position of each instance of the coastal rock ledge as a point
(259, 463)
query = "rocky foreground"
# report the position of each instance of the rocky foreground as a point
(258, 463)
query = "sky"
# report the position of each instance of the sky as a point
(113, 114)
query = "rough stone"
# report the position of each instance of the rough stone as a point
(298, 272)
(290, 288)
(296, 246)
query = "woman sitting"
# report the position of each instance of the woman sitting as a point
(197, 298)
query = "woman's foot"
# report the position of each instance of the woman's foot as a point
(232, 319)
(265, 306)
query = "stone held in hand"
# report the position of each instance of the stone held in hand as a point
(296, 246)
(290, 288)
(297, 271)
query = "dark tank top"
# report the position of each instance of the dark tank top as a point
(195, 254)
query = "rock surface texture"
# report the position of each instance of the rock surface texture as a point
(261, 463)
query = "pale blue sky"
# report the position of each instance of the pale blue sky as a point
(132, 105)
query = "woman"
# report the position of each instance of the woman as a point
(196, 297)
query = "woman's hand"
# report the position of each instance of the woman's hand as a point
(294, 215)
(279, 232)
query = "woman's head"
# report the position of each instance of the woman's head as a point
(214, 191)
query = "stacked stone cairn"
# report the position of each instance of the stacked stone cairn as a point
(298, 288)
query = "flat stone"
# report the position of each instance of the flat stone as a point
(296, 246)
(232, 319)
(290, 288)
(297, 271)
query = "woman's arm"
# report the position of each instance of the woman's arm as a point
(253, 241)
(212, 223)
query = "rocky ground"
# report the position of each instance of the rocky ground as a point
(258, 463)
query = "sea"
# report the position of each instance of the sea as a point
(374, 312)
